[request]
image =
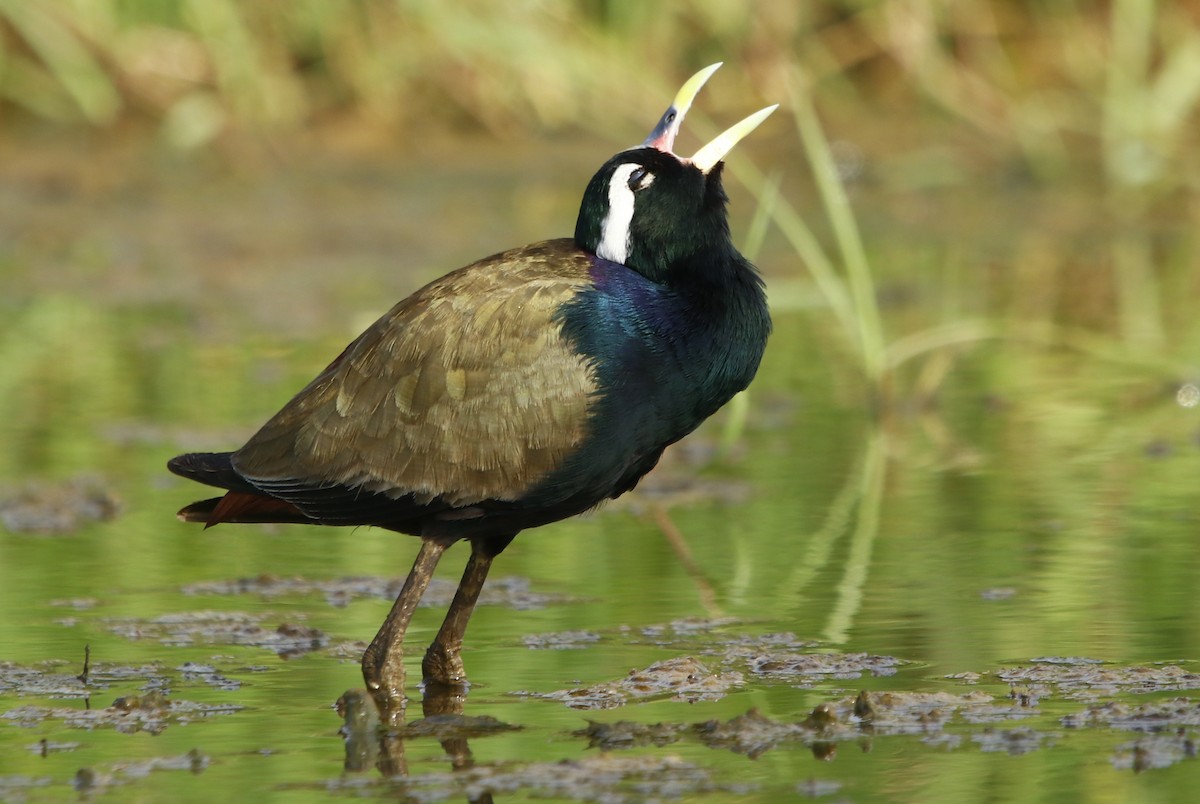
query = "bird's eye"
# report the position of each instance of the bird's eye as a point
(640, 179)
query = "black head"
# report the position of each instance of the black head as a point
(653, 210)
(650, 210)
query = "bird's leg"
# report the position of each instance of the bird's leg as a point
(443, 665)
(383, 660)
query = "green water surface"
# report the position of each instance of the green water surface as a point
(1020, 497)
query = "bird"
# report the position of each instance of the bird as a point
(522, 389)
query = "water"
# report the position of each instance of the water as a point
(1015, 503)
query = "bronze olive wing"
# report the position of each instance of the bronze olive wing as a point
(466, 391)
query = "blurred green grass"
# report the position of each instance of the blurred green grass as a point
(1125, 75)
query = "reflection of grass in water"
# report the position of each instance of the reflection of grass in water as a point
(848, 288)
(62, 374)
(78, 383)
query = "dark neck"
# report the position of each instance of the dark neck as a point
(720, 282)
(721, 323)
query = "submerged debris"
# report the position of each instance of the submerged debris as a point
(1011, 741)
(453, 726)
(42, 682)
(45, 747)
(511, 592)
(924, 712)
(562, 640)
(1070, 660)
(775, 655)
(683, 678)
(815, 788)
(1078, 678)
(824, 665)
(686, 630)
(998, 593)
(223, 628)
(14, 788)
(1151, 717)
(54, 508)
(151, 713)
(626, 734)
(90, 780)
(192, 671)
(753, 733)
(77, 603)
(45, 682)
(1154, 751)
(611, 778)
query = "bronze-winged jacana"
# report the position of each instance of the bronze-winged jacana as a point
(523, 389)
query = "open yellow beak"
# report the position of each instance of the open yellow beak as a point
(712, 153)
(663, 135)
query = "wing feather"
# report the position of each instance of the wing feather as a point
(466, 391)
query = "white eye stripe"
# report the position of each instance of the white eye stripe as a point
(640, 179)
(614, 229)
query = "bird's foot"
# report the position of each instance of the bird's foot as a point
(442, 669)
(384, 675)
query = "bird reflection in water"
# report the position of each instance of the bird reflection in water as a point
(370, 744)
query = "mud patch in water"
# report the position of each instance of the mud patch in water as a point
(46, 747)
(51, 509)
(47, 681)
(1088, 679)
(925, 712)
(773, 656)
(821, 665)
(627, 734)
(453, 727)
(152, 712)
(852, 719)
(685, 631)
(207, 674)
(1012, 741)
(608, 777)
(1151, 718)
(562, 640)
(15, 788)
(753, 734)
(288, 639)
(681, 679)
(511, 592)
(1154, 751)
(90, 780)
